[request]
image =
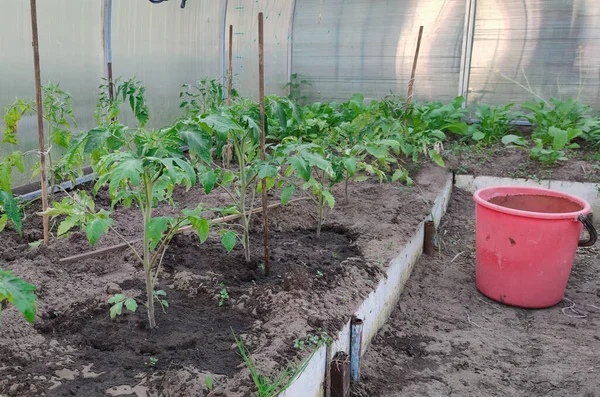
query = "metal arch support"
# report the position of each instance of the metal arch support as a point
(291, 42)
(223, 39)
(467, 49)
(107, 35)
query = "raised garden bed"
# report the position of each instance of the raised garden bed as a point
(75, 349)
(445, 338)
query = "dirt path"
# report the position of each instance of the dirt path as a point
(447, 339)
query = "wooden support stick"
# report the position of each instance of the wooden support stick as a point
(117, 247)
(411, 82)
(261, 90)
(40, 116)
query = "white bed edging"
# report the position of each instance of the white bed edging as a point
(375, 309)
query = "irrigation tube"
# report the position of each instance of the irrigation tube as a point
(66, 186)
(356, 327)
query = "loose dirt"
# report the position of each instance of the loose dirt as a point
(446, 339)
(74, 348)
(501, 161)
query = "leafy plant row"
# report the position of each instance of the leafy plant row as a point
(310, 150)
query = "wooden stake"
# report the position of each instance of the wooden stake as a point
(261, 93)
(412, 74)
(40, 115)
(428, 238)
(230, 70)
(184, 229)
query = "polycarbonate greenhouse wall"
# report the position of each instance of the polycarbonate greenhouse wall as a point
(491, 51)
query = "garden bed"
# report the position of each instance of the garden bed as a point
(445, 338)
(75, 349)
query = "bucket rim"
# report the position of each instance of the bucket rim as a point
(536, 191)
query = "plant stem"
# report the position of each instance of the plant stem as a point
(321, 203)
(346, 188)
(147, 258)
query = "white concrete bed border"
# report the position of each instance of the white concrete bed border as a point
(375, 309)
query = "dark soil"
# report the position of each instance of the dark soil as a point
(75, 349)
(446, 339)
(498, 160)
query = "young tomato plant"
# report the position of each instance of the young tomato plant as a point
(308, 167)
(144, 171)
(203, 97)
(18, 292)
(241, 184)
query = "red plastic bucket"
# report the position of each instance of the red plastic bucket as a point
(526, 239)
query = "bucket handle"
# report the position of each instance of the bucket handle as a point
(591, 230)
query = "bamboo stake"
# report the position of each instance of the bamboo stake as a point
(411, 82)
(184, 229)
(40, 115)
(261, 89)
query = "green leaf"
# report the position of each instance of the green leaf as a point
(560, 137)
(438, 134)
(95, 139)
(286, 194)
(377, 151)
(11, 208)
(131, 305)
(435, 156)
(116, 310)
(3, 221)
(116, 298)
(61, 137)
(300, 165)
(127, 170)
(350, 165)
(329, 198)
(199, 142)
(316, 160)
(35, 244)
(266, 170)
(202, 226)
(220, 123)
(66, 225)
(155, 229)
(513, 139)
(400, 174)
(97, 228)
(228, 239)
(19, 293)
(478, 135)
(208, 180)
(270, 182)
(228, 178)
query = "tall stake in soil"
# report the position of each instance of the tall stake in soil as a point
(261, 90)
(40, 115)
(147, 258)
(412, 74)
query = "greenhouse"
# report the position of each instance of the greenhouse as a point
(299, 198)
